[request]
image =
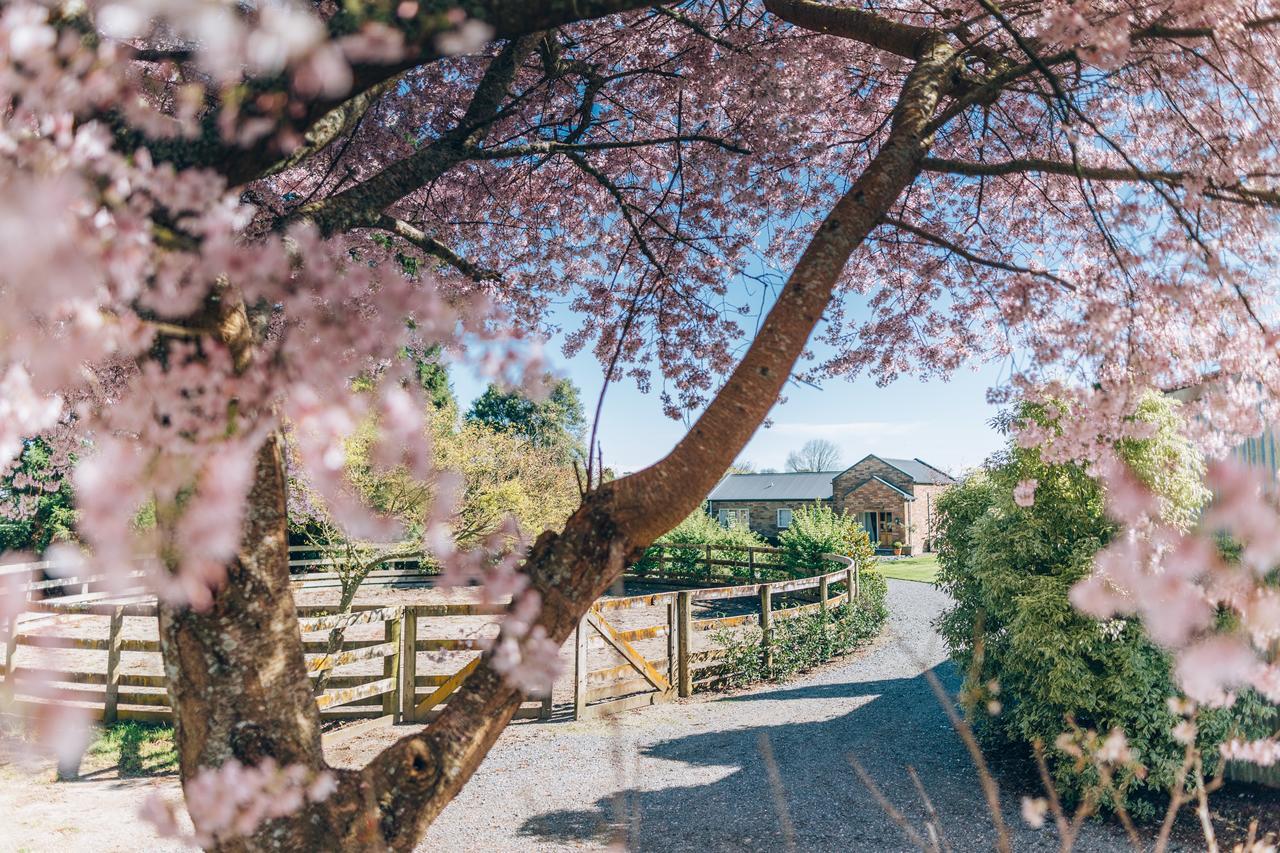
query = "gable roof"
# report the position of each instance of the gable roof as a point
(905, 494)
(920, 472)
(806, 486)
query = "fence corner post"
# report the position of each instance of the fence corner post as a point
(10, 657)
(850, 586)
(824, 592)
(684, 640)
(751, 563)
(580, 668)
(115, 642)
(673, 629)
(766, 626)
(409, 664)
(391, 666)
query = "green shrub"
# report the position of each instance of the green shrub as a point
(1008, 570)
(817, 529)
(700, 529)
(803, 642)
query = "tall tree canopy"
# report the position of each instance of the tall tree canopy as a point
(817, 454)
(555, 421)
(213, 216)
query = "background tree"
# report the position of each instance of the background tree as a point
(555, 422)
(817, 454)
(215, 221)
(36, 504)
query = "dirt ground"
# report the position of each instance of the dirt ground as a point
(686, 776)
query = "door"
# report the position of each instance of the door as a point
(873, 530)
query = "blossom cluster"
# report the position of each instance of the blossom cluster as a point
(234, 799)
(1177, 581)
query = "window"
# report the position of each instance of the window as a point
(784, 519)
(736, 518)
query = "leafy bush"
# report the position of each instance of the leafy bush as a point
(803, 642)
(1008, 570)
(818, 529)
(700, 529)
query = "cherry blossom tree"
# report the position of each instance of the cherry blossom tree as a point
(216, 217)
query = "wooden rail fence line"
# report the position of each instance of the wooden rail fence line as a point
(644, 664)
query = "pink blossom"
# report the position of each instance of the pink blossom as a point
(1024, 494)
(1264, 752)
(1034, 810)
(1210, 669)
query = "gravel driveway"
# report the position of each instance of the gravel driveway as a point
(689, 775)
(686, 776)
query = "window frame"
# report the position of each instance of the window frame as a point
(778, 517)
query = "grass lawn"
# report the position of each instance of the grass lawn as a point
(923, 568)
(132, 749)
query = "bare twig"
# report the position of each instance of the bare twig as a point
(937, 836)
(889, 809)
(777, 792)
(990, 788)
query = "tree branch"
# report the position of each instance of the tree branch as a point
(905, 40)
(557, 147)
(413, 779)
(972, 257)
(435, 248)
(362, 205)
(1029, 165)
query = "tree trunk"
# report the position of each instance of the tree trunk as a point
(237, 679)
(238, 682)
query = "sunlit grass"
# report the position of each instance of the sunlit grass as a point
(134, 749)
(923, 568)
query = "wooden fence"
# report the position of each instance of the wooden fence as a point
(100, 649)
(635, 676)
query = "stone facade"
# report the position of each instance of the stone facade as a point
(763, 515)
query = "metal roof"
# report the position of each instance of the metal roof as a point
(920, 471)
(807, 486)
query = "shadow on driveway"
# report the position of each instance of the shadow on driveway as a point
(821, 796)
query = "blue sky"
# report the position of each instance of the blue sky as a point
(944, 423)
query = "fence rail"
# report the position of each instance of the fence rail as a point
(630, 682)
(616, 666)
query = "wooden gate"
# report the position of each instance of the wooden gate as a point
(632, 678)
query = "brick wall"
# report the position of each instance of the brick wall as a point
(924, 513)
(875, 496)
(847, 481)
(764, 514)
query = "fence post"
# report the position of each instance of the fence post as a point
(391, 666)
(824, 590)
(850, 586)
(708, 562)
(409, 664)
(672, 631)
(580, 668)
(662, 565)
(10, 654)
(766, 626)
(751, 563)
(115, 641)
(684, 638)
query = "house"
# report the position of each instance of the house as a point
(892, 498)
